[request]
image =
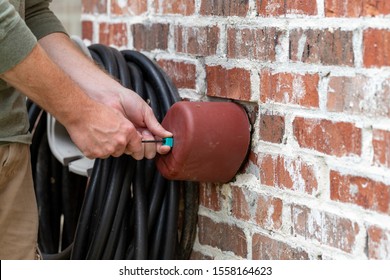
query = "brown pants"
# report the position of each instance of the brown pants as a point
(18, 208)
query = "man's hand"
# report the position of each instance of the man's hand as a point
(105, 90)
(96, 128)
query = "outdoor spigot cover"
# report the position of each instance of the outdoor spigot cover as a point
(211, 141)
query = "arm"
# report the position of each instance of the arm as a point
(101, 87)
(97, 130)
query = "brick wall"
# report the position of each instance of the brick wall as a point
(315, 78)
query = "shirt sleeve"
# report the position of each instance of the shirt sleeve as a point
(41, 20)
(16, 39)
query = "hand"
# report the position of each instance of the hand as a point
(103, 89)
(100, 132)
(135, 109)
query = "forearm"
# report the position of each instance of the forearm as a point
(99, 85)
(96, 83)
(97, 130)
(47, 85)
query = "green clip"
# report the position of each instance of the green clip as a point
(168, 141)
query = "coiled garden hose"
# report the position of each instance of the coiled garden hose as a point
(126, 209)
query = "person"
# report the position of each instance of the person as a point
(39, 60)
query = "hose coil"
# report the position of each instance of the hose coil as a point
(126, 209)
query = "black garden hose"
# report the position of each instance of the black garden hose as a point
(129, 211)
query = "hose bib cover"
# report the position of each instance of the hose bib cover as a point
(211, 140)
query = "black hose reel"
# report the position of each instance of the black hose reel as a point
(125, 209)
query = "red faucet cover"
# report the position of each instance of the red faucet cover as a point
(211, 140)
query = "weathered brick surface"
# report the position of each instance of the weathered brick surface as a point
(345, 94)
(356, 8)
(376, 47)
(289, 88)
(274, 8)
(87, 30)
(210, 196)
(361, 191)
(288, 173)
(272, 128)
(224, 8)
(333, 138)
(200, 41)
(378, 243)
(257, 44)
(269, 212)
(325, 228)
(228, 83)
(183, 7)
(266, 248)
(318, 46)
(380, 143)
(113, 34)
(183, 74)
(359, 95)
(240, 204)
(129, 7)
(224, 236)
(150, 37)
(94, 6)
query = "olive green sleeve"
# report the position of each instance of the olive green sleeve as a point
(41, 20)
(16, 40)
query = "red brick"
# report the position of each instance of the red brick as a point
(359, 95)
(94, 6)
(113, 34)
(266, 248)
(345, 94)
(200, 41)
(332, 138)
(322, 46)
(232, 83)
(288, 173)
(356, 8)
(325, 228)
(272, 8)
(272, 128)
(132, 7)
(339, 232)
(306, 222)
(254, 44)
(269, 212)
(380, 143)
(183, 74)
(289, 88)
(224, 8)
(183, 7)
(376, 44)
(225, 237)
(378, 243)
(87, 30)
(150, 37)
(365, 192)
(210, 196)
(240, 205)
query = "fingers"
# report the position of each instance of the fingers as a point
(154, 126)
(149, 148)
(134, 146)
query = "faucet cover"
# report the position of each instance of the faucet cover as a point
(211, 141)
